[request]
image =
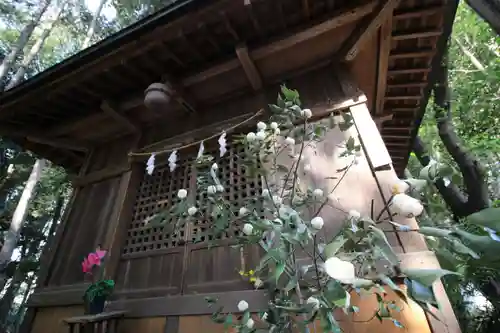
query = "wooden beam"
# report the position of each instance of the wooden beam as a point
(398, 71)
(419, 84)
(404, 35)
(249, 67)
(367, 29)
(383, 63)
(419, 12)
(338, 19)
(405, 54)
(406, 137)
(119, 118)
(406, 109)
(100, 175)
(58, 143)
(403, 97)
(176, 91)
(384, 118)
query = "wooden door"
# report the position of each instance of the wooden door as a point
(156, 261)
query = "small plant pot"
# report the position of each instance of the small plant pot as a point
(156, 96)
(96, 306)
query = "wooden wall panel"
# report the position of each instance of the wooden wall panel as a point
(49, 320)
(88, 219)
(149, 325)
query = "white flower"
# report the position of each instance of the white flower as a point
(242, 306)
(306, 113)
(400, 187)
(407, 206)
(354, 214)
(274, 125)
(317, 222)
(172, 159)
(340, 270)
(211, 189)
(150, 165)
(314, 302)
(251, 137)
(258, 283)
(250, 323)
(261, 135)
(182, 193)
(358, 153)
(277, 200)
(243, 211)
(307, 168)
(192, 210)
(289, 141)
(318, 193)
(201, 150)
(264, 316)
(265, 193)
(277, 131)
(219, 188)
(261, 126)
(247, 229)
(215, 166)
(222, 144)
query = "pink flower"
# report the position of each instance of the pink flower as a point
(94, 259)
(100, 253)
(86, 267)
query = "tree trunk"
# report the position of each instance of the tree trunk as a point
(18, 77)
(25, 35)
(20, 212)
(476, 196)
(93, 24)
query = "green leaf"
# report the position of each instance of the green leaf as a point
(333, 247)
(388, 281)
(228, 322)
(430, 231)
(362, 283)
(282, 168)
(420, 293)
(426, 276)
(350, 143)
(382, 245)
(461, 248)
(489, 218)
(476, 242)
(280, 268)
(291, 283)
(275, 108)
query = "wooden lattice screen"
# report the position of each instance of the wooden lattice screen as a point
(204, 268)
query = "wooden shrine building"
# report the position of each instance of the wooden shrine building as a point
(223, 60)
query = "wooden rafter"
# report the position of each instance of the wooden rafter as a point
(119, 117)
(249, 67)
(405, 14)
(36, 137)
(176, 91)
(383, 63)
(413, 34)
(425, 53)
(366, 29)
(339, 19)
(58, 143)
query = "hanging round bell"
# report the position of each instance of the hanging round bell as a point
(156, 95)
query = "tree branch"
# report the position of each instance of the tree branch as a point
(452, 195)
(472, 172)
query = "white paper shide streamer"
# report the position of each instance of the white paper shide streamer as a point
(150, 166)
(222, 144)
(201, 150)
(172, 160)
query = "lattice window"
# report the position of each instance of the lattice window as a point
(158, 191)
